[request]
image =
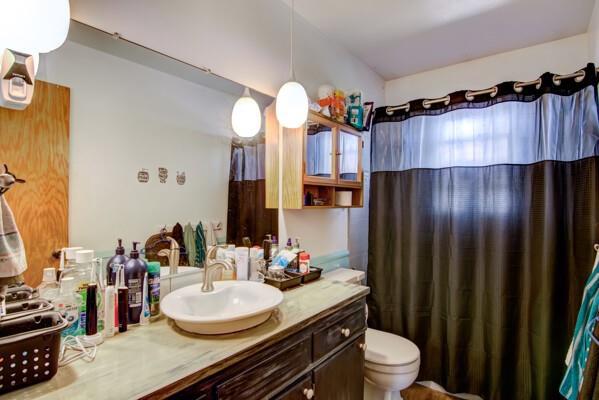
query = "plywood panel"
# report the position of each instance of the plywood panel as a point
(35, 145)
(293, 168)
(271, 157)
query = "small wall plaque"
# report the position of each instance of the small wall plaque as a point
(143, 176)
(162, 174)
(181, 178)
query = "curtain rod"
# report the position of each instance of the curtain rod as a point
(492, 91)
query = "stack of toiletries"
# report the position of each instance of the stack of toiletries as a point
(97, 302)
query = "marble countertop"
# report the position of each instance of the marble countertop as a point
(145, 359)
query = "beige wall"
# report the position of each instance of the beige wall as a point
(561, 56)
(124, 117)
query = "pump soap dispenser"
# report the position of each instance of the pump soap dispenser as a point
(112, 266)
(135, 270)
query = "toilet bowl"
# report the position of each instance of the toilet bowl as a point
(391, 362)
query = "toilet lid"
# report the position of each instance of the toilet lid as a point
(389, 349)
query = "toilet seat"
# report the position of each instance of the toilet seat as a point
(386, 352)
(393, 369)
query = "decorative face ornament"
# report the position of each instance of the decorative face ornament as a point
(7, 179)
(181, 178)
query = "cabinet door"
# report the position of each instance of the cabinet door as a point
(342, 377)
(302, 390)
(349, 152)
(320, 149)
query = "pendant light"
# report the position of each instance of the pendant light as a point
(292, 100)
(34, 26)
(246, 118)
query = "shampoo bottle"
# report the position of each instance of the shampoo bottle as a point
(135, 271)
(119, 258)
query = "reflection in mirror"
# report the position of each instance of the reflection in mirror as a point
(319, 150)
(133, 141)
(349, 150)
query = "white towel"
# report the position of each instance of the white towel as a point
(12, 251)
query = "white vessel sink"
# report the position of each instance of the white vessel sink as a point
(231, 307)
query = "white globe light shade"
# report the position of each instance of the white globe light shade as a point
(292, 105)
(246, 118)
(34, 26)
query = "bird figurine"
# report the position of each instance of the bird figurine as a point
(7, 179)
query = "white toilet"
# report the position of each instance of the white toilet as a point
(391, 362)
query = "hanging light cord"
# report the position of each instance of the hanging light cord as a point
(291, 69)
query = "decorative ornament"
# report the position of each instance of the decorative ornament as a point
(181, 178)
(162, 174)
(143, 176)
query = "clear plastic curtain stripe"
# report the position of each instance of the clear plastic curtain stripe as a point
(553, 127)
(247, 162)
(319, 149)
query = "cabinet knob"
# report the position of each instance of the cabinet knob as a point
(345, 332)
(308, 393)
(362, 346)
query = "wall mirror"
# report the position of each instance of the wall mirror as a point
(123, 141)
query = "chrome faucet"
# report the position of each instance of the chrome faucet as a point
(213, 265)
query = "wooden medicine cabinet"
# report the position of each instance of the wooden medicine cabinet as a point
(322, 164)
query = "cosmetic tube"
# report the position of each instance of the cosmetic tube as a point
(144, 318)
(91, 309)
(109, 300)
(123, 301)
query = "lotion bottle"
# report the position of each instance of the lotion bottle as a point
(135, 271)
(119, 258)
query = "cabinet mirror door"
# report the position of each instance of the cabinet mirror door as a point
(350, 152)
(319, 151)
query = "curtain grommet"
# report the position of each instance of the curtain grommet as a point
(556, 82)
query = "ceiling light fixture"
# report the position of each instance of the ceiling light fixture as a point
(246, 118)
(292, 100)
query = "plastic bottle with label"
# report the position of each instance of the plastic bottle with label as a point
(135, 270)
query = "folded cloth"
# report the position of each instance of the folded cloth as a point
(12, 251)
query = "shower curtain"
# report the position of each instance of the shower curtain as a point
(247, 214)
(483, 216)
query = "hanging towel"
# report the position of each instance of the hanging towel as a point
(577, 356)
(201, 245)
(189, 237)
(12, 251)
(178, 236)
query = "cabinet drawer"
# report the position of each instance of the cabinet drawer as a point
(298, 391)
(270, 373)
(340, 331)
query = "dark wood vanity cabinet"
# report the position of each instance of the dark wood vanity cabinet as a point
(322, 360)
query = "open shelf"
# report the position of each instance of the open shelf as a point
(324, 196)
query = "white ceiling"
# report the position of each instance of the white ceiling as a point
(402, 37)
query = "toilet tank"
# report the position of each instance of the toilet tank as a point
(346, 275)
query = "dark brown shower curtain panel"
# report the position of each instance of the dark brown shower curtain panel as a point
(247, 214)
(483, 216)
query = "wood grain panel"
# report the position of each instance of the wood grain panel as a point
(271, 157)
(342, 376)
(293, 168)
(34, 143)
(271, 373)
